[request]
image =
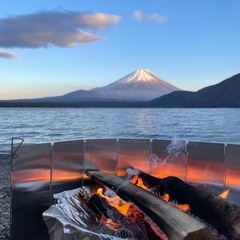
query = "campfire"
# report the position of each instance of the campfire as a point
(162, 199)
(147, 207)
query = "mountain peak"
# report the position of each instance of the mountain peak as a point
(140, 75)
(141, 84)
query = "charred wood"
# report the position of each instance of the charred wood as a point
(102, 207)
(218, 212)
(176, 224)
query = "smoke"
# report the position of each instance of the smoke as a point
(110, 193)
(130, 172)
(175, 148)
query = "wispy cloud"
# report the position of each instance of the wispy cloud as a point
(138, 15)
(58, 28)
(157, 18)
(154, 17)
(7, 54)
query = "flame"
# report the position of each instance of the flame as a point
(123, 209)
(166, 197)
(134, 179)
(224, 194)
(116, 202)
(140, 183)
(184, 207)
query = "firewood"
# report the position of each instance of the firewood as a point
(176, 224)
(102, 207)
(218, 212)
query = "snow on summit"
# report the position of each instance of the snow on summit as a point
(141, 84)
(140, 75)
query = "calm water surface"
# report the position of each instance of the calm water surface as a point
(43, 125)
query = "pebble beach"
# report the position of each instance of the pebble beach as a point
(5, 196)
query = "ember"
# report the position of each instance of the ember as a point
(217, 212)
(115, 201)
(221, 214)
(144, 209)
(123, 217)
(181, 226)
(134, 227)
(83, 211)
(40, 171)
(184, 207)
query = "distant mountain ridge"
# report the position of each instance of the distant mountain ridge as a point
(76, 96)
(223, 94)
(79, 95)
(141, 85)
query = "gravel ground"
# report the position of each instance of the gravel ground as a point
(5, 197)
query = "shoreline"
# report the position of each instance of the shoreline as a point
(5, 196)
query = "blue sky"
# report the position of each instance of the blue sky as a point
(49, 48)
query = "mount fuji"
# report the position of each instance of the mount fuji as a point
(140, 85)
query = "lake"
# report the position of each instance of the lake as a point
(44, 125)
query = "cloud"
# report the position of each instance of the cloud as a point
(53, 28)
(154, 17)
(8, 55)
(157, 18)
(138, 15)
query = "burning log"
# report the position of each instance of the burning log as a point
(220, 213)
(176, 224)
(131, 229)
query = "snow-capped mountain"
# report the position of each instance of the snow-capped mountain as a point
(141, 84)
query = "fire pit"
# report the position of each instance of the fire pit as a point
(42, 171)
(75, 218)
(85, 212)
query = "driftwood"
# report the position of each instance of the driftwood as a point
(176, 224)
(220, 213)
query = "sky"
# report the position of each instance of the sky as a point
(50, 48)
